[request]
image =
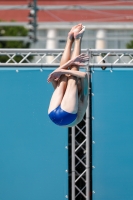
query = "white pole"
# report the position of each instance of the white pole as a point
(100, 42)
(51, 42)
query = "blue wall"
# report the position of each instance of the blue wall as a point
(112, 134)
(33, 157)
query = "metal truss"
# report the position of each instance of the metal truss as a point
(80, 136)
(51, 58)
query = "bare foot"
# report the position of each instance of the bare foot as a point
(79, 34)
(71, 33)
(77, 29)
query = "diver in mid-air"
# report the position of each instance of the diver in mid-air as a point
(70, 97)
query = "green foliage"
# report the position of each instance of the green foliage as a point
(13, 31)
(130, 45)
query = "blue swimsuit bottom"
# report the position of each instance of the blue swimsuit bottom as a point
(61, 117)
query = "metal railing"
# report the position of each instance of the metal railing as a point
(111, 57)
(80, 173)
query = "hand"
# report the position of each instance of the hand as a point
(80, 60)
(55, 75)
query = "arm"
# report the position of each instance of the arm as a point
(66, 65)
(78, 60)
(57, 73)
(78, 74)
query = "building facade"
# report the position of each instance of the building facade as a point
(108, 23)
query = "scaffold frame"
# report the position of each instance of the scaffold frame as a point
(80, 173)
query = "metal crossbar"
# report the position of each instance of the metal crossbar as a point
(40, 57)
(80, 173)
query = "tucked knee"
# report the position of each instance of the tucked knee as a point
(72, 79)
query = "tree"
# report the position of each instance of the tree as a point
(13, 31)
(130, 45)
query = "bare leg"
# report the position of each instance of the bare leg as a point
(58, 93)
(70, 100)
(60, 88)
(67, 51)
(76, 52)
